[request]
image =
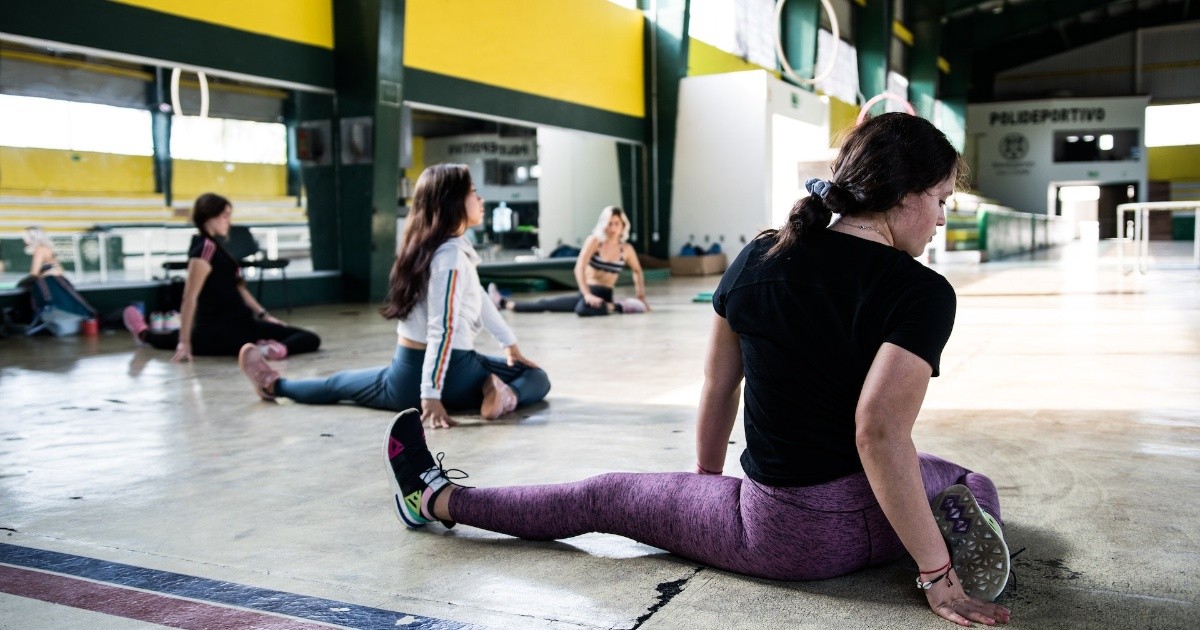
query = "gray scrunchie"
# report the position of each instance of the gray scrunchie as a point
(819, 187)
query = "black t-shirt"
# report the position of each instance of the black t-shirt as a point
(219, 299)
(810, 323)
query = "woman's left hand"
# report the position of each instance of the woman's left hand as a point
(642, 297)
(514, 356)
(948, 600)
(271, 319)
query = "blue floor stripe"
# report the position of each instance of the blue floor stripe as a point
(228, 593)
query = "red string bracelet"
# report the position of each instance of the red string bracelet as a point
(925, 586)
(704, 471)
(941, 568)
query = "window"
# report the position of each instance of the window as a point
(842, 82)
(1097, 145)
(228, 140)
(739, 27)
(43, 123)
(1172, 125)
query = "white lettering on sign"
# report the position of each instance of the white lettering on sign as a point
(1050, 114)
(488, 148)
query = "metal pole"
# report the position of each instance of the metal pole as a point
(102, 240)
(146, 254)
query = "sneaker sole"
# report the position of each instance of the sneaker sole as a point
(504, 401)
(399, 507)
(980, 554)
(242, 366)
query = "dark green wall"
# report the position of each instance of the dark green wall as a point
(132, 30)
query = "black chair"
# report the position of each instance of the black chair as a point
(242, 245)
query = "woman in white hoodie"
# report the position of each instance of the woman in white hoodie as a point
(441, 306)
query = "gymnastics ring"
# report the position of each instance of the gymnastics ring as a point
(787, 68)
(862, 113)
(175, 106)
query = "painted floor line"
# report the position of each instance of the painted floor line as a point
(159, 592)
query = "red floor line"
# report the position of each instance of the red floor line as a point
(140, 605)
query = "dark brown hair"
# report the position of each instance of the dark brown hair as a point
(439, 212)
(881, 161)
(207, 206)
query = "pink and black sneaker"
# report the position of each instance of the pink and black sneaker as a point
(414, 477)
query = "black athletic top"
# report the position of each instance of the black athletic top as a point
(219, 299)
(608, 266)
(810, 323)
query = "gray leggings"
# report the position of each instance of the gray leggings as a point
(729, 523)
(569, 303)
(398, 386)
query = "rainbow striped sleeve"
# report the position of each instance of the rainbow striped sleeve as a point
(442, 362)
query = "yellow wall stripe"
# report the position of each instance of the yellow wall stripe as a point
(587, 52)
(704, 58)
(75, 171)
(1180, 163)
(303, 21)
(192, 177)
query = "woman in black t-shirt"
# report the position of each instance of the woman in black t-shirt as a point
(836, 331)
(218, 314)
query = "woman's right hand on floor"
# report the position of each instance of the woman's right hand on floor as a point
(949, 601)
(434, 414)
(593, 301)
(183, 352)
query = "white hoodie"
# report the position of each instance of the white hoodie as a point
(452, 313)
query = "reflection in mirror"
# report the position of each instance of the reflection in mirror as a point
(542, 187)
(107, 156)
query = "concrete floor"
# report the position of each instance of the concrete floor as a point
(1075, 386)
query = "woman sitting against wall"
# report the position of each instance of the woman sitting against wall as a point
(218, 314)
(41, 250)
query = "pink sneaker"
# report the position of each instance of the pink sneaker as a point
(502, 401)
(632, 305)
(262, 376)
(135, 323)
(271, 349)
(494, 295)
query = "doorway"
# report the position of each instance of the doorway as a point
(1079, 202)
(1112, 195)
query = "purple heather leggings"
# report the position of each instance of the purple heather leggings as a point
(737, 525)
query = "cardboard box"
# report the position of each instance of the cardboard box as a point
(698, 265)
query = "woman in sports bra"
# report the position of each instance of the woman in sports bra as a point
(41, 250)
(606, 252)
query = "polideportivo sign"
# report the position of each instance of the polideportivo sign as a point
(1011, 147)
(1047, 115)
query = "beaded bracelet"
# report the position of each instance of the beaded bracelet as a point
(925, 586)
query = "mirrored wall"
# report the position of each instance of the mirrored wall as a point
(106, 155)
(543, 187)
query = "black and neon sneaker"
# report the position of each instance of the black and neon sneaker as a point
(415, 478)
(976, 542)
